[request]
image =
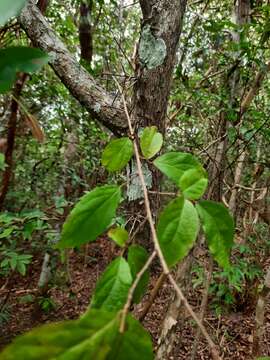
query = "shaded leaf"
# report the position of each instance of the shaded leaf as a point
(218, 227)
(95, 336)
(91, 216)
(193, 183)
(117, 154)
(119, 235)
(9, 9)
(175, 164)
(137, 257)
(151, 142)
(113, 286)
(19, 59)
(177, 229)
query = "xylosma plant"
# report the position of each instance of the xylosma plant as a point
(106, 330)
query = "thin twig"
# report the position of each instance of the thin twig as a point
(132, 289)
(164, 265)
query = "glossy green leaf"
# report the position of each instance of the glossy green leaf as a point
(117, 154)
(91, 216)
(177, 229)
(218, 227)
(9, 9)
(19, 59)
(137, 257)
(193, 183)
(113, 286)
(151, 142)
(95, 336)
(119, 235)
(175, 164)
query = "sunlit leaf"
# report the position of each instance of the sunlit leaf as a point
(117, 154)
(175, 164)
(218, 227)
(112, 288)
(193, 183)
(91, 216)
(177, 229)
(119, 235)
(151, 142)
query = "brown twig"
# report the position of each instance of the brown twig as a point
(164, 265)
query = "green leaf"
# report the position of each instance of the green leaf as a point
(175, 164)
(2, 161)
(177, 229)
(218, 227)
(137, 257)
(119, 235)
(113, 286)
(91, 216)
(19, 59)
(9, 9)
(95, 336)
(6, 233)
(193, 183)
(117, 154)
(150, 142)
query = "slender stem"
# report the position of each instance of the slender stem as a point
(132, 290)
(164, 265)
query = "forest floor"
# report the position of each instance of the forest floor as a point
(233, 332)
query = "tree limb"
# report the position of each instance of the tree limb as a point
(101, 105)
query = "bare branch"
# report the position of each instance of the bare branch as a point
(78, 81)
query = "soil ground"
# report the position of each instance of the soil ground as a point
(233, 332)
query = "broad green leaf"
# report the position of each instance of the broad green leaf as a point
(119, 235)
(175, 164)
(117, 154)
(19, 59)
(95, 336)
(193, 183)
(137, 257)
(151, 142)
(2, 161)
(177, 229)
(91, 216)
(9, 9)
(218, 227)
(113, 286)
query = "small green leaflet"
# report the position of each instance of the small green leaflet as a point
(119, 235)
(112, 288)
(150, 142)
(175, 164)
(117, 154)
(91, 216)
(177, 229)
(193, 183)
(9, 9)
(2, 161)
(137, 257)
(218, 227)
(95, 336)
(19, 59)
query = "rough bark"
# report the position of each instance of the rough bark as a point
(102, 106)
(152, 87)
